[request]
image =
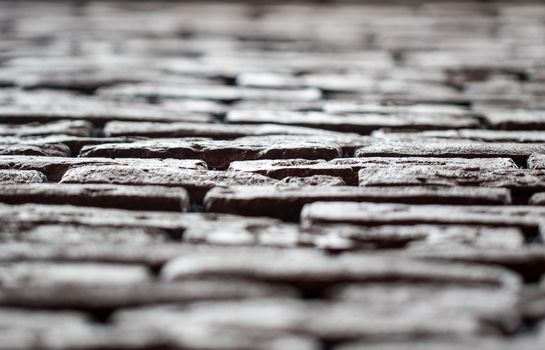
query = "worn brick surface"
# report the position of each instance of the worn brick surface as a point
(266, 175)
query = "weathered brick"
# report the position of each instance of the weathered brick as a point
(536, 161)
(218, 153)
(97, 112)
(517, 151)
(208, 92)
(283, 168)
(363, 124)
(214, 131)
(23, 148)
(313, 272)
(98, 195)
(55, 167)
(521, 181)
(371, 214)
(266, 201)
(467, 134)
(515, 119)
(21, 176)
(196, 182)
(61, 127)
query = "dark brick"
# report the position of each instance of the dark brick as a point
(217, 153)
(98, 195)
(55, 167)
(196, 182)
(517, 151)
(266, 201)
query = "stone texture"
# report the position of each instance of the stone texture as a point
(21, 177)
(217, 154)
(526, 217)
(362, 124)
(196, 182)
(265, 201)
(99, 195)
(55, 167)
(516, 151)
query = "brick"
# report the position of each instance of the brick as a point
(468, 134)
(29, 149)
(97, 112)
(488, 343)
(372, 214)
(314, 180)
(33, 274)
(265, 201)
(283, 168)
(208, 130)
(21, 177)
(61, 127)
(515, 119)
(196, 182)
(374, 108)
(528, 261)
(422, 237)
(43, 223)
(96, 297)
(98, 195)
(517, 151)
(362, 124)
(54, 167)
(208, 92)
(313, 272)
(333, 322)
(218, 153)
(536, 161)
(518, 180)
(469, 163)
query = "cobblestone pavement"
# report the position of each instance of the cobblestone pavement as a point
(231, 176)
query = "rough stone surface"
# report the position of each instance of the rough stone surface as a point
(265, 201)
(247, 175)
(218, 154)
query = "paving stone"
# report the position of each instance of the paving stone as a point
(329, 322)
(97, 112)
(469, 134)
(527, 261)
(21, 177)
(265, 201)
(196, 182)
(209, 92)
(97, 298)
(283, 168)
(373, 108)
(314, 180)
(372, 214)
(518, 180)
(35, 274)
(127, 336)
(362, 124)
(55, 167)
(536, 161)
(29, 149)
(62, 127)
(217, 153)
(515, 120)
(517, 151)
(423, 237)
(98, 195)
(487, 343)
(215, 131)
(312, 272)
